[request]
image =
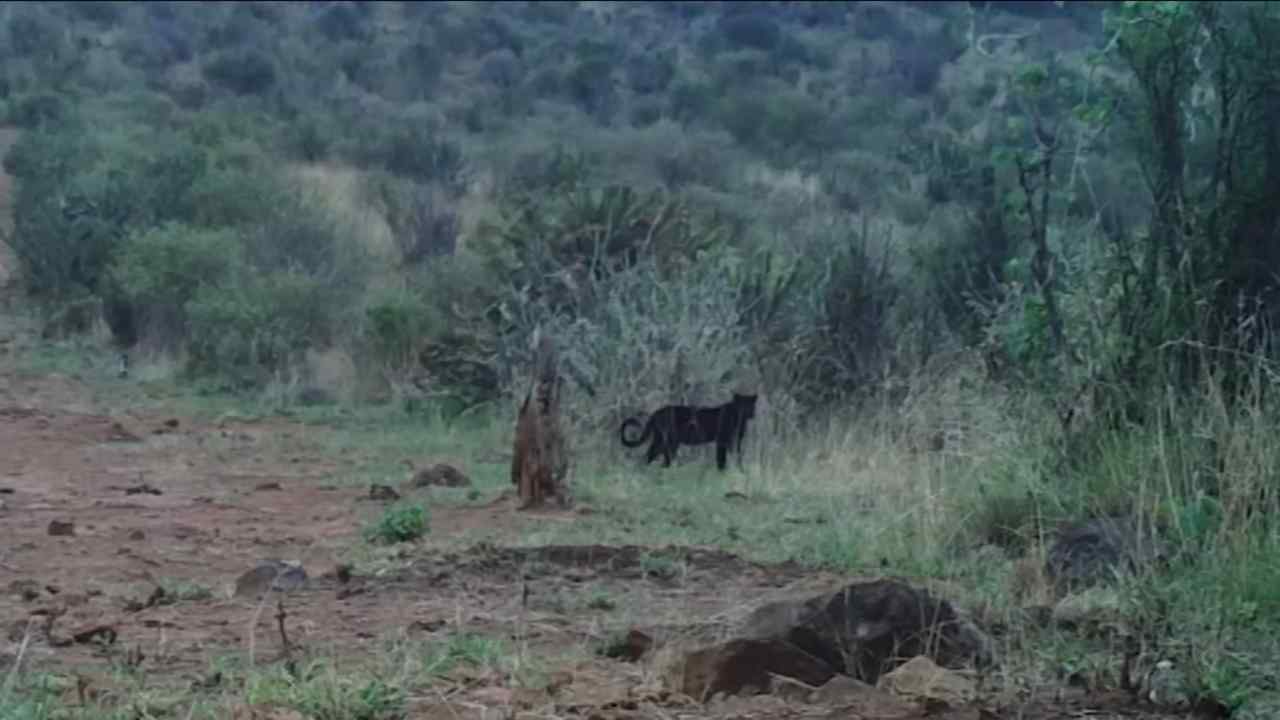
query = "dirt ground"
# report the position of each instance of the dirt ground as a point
(160, 499)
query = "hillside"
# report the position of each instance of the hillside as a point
(863, 103)
(782, 125)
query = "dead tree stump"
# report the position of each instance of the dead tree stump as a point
(540, 462)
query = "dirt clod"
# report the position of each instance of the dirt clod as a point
(119, 433)
(440, 475)
(382, 493)
(1090, 552)
(342, 573)
(62, 528)
(629, 647)
(744, 667)
(864, 700)
(921, 679)
(861, 629)
(270, 575)
(27, 590)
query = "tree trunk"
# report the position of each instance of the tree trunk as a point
(540, 462)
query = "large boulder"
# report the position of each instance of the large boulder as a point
(1090, 552)
(862, 630)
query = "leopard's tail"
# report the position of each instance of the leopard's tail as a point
(644, 436)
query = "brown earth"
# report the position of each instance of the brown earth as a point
(233, 494)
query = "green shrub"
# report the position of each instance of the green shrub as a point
(751, 30)
(246, 332)
(162, 269)
(415, 152)
(39, 109)
(244, 72)
(401, 523)
(395, 324)
(236, 197)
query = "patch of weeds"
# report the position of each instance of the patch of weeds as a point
(1229, 679)
(400, 523)
(177, 591)
(1009, 521)
(470, 649)
(601, 600)
(319, 691)
(660, 566)
(32, 697)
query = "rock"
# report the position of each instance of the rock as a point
(440, 475)
(342, 572)
(26, 590)
(1094, 551)
(920, 678)
(268, 487)
(1090, 607)
(62, 528)
(270, 575)
(788, 689)
(137, 535)
(382, 493)
(859, 630)
(630, 647)
(1166, 686)
(744, 667)
(862, 700)
(119, 433)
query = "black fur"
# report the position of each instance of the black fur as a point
(675, 425)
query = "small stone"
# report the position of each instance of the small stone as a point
(1167, 686)
(789, 689)
(863, 700)
(922, 679)
(440, 475)
(382, 493)
(119, 433)
(27, 590)
(270, 575)
(630, 647)
(62, 528)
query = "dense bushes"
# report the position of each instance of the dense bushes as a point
(808, 128)
(219, 258)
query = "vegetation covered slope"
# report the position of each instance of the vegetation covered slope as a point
(768, 132)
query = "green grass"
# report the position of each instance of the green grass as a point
(398, 524)
(851, 498)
